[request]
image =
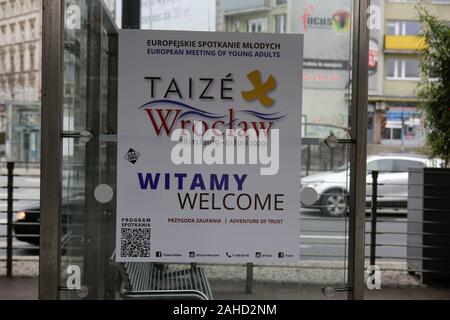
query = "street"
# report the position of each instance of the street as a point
(26, 191)
(321, 237)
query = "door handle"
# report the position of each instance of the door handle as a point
(330, 291)
(332, 141)
(84, 136)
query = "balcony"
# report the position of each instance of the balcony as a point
(234, 7)
(403, 43)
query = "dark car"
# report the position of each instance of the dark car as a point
(26, 227)
(27, 224)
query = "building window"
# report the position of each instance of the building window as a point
(280, 23)
(412, 69)
(235, 26)
(22, 62)
(32, 28)
(257, 25)
(2, 60)
(403, 69)
(3, 9)
(281, 2)
(31, 60)
(403, 27)
(400, 121)
(12, 27)
(4, 40)
(22, 29)
(12, 66)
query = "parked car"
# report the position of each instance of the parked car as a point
(26, 226)
(328, 191)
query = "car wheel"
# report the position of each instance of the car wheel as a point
(334, 203)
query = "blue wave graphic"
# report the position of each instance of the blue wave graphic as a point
(264, 116)
(192, 110)
(201, 114)
(195, 111)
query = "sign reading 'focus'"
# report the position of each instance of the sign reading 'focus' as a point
(208, 147)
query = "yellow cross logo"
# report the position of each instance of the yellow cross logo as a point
(260, 90)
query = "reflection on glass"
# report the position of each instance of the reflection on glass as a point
(327, 29)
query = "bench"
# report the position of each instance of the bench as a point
(146, 280)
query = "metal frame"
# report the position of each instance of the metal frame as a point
(99, 218)
(52, 102)
(92, 209)
(358, 153)
(51, 155)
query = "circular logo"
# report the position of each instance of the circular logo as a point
(341, 21)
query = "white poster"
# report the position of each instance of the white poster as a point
(209, 133)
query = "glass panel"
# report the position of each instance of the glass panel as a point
(391, 66)
(74, 152)
(405, 165)
(392, 28)
(89, 104)
(397, 133)
(323, 230)
(412, 28)
(280, 23)
(395, 145)
(412, 68)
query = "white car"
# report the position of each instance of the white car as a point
(328, 191)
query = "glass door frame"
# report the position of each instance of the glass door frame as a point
(51, 144)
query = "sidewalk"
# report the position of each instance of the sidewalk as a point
(22, 288)
(291, 291)
(228, 282)
(18, 288)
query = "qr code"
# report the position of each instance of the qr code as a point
(135, 242)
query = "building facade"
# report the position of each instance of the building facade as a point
(326, 27)
(20, 76)
(394, 121)
(20, 50)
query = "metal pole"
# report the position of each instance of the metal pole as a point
(373, 227)
(308, 160)
(249, 281)
(332, 159)
(51, 124)
(131, 14)
(320, 156)
(358, 150)
(9, 248)
(402, 147)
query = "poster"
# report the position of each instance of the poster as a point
(327, 26)
(209, 134)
